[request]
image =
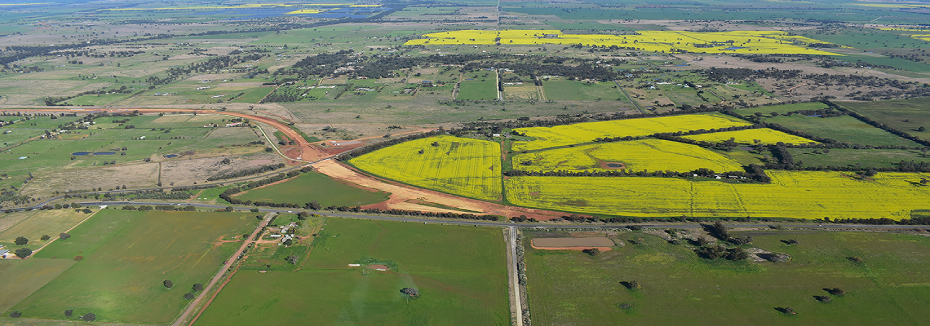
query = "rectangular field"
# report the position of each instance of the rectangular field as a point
(752, 136)
(843, 128)
(678, 287)
(459, 271)
(904, 115)
(589, 131)
(459, 166)
(122, 258)
(806, 195)
(637, 155)
(569, 90)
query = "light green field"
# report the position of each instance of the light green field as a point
(23, 277)
(569, 90)
(39, 223)
(317, 187)
(127, 255)
(459, 166)
(459, 271)
(888, 288)
(478, 86)
(843, 128)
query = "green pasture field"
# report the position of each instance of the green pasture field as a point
(888, 287)
(24, 277)
(568, 90)
(843, 128)
(37, 224)
(885, 158)
(894, 113)
(126, 257)
(781, 109)
(314, 186)
(254, 96)
(459, 271)
(480, 87)
(185, 133)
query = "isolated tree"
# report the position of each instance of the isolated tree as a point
(168, 284)
(21, 241)
(45, 237)
(410, 291)
(89, 317)
(16, 314)
(592, 251)
(822, 298)
(198, 287)
(189, 296)
(835, 291)
(68, 312)
(22, 253)
(63, 236)
(292, 259)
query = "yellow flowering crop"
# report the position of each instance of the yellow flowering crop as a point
(459, 166)
(792, 194)
(586, 132)
(647, 154)
(750, 136)
(757, 42)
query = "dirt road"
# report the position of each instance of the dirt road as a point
(219, 275)
(406, 197)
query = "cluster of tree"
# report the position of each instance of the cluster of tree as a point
(402, 212)
(160, 208)
(719, 231)
(719, 251)
(247, 172)
(722, 75)
(755, 174)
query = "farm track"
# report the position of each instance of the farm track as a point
(636, 105)
(219, 275)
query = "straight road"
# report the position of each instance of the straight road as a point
(516, 276)
(219, 275)
(508, 224)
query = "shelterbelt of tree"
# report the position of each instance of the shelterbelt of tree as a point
(749, 42)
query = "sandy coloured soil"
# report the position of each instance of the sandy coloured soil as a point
(404, 197)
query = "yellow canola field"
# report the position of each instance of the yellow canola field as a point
(546, 137)
(647, 154)
(459, 166)
(750, 136)
(792, 194)
(752, 42)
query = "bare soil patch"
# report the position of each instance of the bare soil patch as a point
(260, 162)
(401, 194)
(85, 178)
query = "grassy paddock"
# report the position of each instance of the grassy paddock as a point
(315, 187)
(678, 287)
(125, 256)
(459, 271)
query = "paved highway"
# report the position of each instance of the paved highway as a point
(504, 224)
